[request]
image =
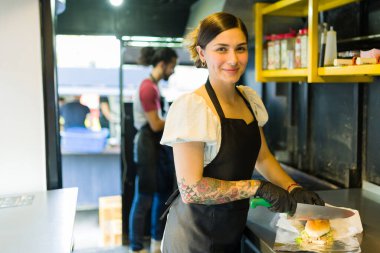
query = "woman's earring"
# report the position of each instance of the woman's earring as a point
(203, 64)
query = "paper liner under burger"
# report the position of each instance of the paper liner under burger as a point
(346, 235)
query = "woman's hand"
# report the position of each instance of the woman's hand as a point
(302, 195)
(280, 199)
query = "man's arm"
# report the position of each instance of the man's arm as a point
(155, 123)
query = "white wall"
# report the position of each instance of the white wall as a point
(22, 139)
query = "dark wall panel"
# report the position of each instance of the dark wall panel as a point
(334, 131)
(301, 111)
(276, 105)
(373, 140)
(373, 16)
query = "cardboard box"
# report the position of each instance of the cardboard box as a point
(112, 233)
(110, 220)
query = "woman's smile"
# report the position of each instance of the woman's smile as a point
(227, 56)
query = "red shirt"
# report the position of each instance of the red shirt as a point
(149, 96)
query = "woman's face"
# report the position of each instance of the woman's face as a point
(226, 56)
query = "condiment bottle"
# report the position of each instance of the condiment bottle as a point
(304, 40)
(297, 48)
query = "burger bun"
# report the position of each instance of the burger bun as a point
(317, 228)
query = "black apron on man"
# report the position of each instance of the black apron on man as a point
(155, 165)
(198, 228)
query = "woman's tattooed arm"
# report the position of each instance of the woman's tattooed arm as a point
(214, 191)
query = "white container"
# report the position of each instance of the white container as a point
(271, 53)
(331, 50)
(304, 40)
(277, 51)
(265, 52)
(297, 51)
(287, 49)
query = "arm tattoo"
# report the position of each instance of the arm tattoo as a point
(214, 191)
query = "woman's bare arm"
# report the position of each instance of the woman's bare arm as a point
(270, 168)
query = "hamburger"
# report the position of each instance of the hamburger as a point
(316, 232)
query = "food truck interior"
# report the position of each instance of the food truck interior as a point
(323, 119)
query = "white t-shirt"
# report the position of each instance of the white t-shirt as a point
(147, 98)
(191, 119)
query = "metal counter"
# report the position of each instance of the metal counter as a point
(262, 233)
(44, 225)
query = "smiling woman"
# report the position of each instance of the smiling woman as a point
(217, 140)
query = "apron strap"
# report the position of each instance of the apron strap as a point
(214, 99)
(245, 101)
(216, 103)
(169, 203)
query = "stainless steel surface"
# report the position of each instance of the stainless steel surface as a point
(45, 226)
(262, 231)
(314, 212)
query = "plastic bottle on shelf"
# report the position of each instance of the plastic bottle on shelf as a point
(287, 50)
(283, 45)
(304, 39)
(331, 48)
(265, 52)
(297, 50)
(271, 54)
(277, 50)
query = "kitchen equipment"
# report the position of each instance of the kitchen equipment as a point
(315, 212)
(310, 212)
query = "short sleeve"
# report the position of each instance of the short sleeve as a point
(190, 119)
(256, 103)
(149, 97)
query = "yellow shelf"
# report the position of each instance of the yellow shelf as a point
(285, 75)
(370, 70)
(285, 72)
(295, 8)
(312, 74)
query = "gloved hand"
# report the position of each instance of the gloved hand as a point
(280, 199)
(302, 195)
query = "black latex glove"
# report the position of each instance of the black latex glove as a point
(302, 195)
(280, 199)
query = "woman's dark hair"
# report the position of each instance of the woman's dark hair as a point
(152, 56)
(208, 29)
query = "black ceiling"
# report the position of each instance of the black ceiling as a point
(166, 18)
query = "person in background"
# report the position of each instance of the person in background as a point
(105, 112)
(155, 173)
(61, 101)
(74, 113)
(217, 139)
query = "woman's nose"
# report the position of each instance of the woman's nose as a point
(232, 58)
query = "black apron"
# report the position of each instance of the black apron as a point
(198, 228)
(147, 153)
(154, 162)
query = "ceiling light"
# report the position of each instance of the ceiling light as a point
(116, 2)
(145, 41)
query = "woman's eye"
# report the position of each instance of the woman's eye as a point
(221, 49)
(241, 49)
